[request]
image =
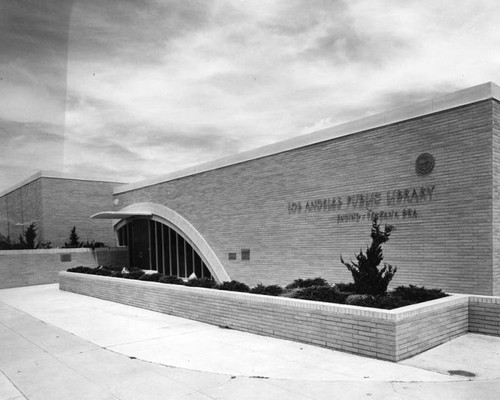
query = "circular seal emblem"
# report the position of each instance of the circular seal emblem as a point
(424, 164)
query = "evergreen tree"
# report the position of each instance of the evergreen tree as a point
(27, 239)
(74, 239)
(368, 279)
(5, 243)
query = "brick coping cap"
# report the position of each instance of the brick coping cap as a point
(452, 100)
(60, 250)
(375, 313)
(54, 175)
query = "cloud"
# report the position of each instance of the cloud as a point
(27, 148)
(155, 86)
(132, 31)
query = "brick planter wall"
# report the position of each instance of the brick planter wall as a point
(484, 315)
(385, 334)
(37, 267)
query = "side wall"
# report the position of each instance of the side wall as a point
(21, 207)
(496, 197)
(69, 202)
(298, 211)
(36, 267)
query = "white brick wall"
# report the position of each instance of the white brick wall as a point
(386, 334)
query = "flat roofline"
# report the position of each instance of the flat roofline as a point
(452, 100)
(53, 175)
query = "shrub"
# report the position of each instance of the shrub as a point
(82, 270)
(102, 271)
(269, 290)
(368, 279)
(92, 245)
(417, 294)
(303, 283)
(91, 271)
(201, 282)
(233, 286)
(327, 294)
(173, 280)
(363, 300)
(390, 301)
(155, 277)
(134, 274)
(113, 268)
(346, 287)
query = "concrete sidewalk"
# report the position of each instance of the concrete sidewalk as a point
(59, 345)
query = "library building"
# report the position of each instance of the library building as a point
(292, 209)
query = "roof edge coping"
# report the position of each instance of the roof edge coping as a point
(54, 175)
(462, 97)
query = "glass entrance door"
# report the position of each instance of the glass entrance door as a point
(140, 244)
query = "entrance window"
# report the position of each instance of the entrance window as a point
(155, 246)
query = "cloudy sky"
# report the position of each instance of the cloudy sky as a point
(129, 89)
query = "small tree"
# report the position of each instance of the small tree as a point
(368, 279)
(27, 239)
(5, 243)
(74, 239)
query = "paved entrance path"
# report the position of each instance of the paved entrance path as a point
(59, 345)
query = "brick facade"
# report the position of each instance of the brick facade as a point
(55, 205)
(447, 221)
(386, 334)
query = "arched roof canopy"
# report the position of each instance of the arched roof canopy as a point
(175, 221)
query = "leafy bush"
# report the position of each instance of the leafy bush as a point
(346, 287)
(303, 283)
(363, 300)
(134, 274)
(102, 271)
(201, 282)
(155, 277)
(173, 280)
(417, 294)
(92, 245)
(5, 243)
(368, 279)
(91, 271)
(327, 294)
(82, 270)
(233, 286)
(113, 268)
(269, 290)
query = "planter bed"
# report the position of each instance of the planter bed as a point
(385, 334)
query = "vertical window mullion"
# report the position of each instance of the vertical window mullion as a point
(157, 250)
(169, 252)
(177, 252)
(185, 260)
(163, 250)
(150, 255)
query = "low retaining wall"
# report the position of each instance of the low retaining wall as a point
(385, 334)
(41, 266)
(484, 315)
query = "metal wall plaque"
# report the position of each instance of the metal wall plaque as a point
(424, 164)
(66, 257)
(231, 256)
(245, 254)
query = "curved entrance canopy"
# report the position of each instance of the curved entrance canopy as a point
(173, 220)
